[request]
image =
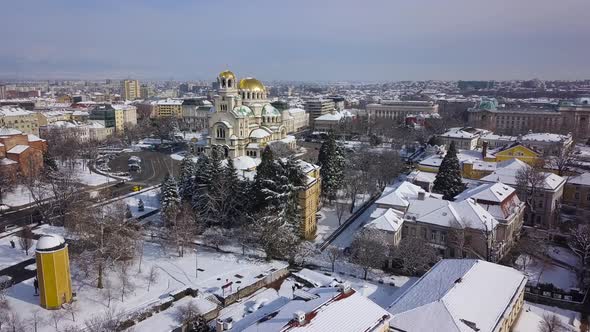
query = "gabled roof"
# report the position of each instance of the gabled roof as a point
(399, 194)
(462, 214)
(464, 295)
(511, 146)
(390, 221)
(9, 132)
(582, 179)
(491, 192)
(18, 149)
(508, 175)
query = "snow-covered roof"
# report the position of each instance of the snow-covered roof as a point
(462, 295)
(246, 163)
(170, 101)
(390, 221)
(419, 176)
(49, 241)
(509, 173)
(306, 167)
(269, 110)
(13, 111)
(34, 138)
(18, 149)
(582, 179)
(491, 192)
(6, 161)
(467, 133)
(545, 137)
(336, 116)
(9, 131)
(399, 194)
(259, 133)
(463, 155)
(295, 110)
(329, 310)
(462, 214)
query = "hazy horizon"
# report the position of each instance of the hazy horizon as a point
(306, 41)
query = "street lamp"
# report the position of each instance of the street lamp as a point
(196, 264)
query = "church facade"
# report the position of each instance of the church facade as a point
(242, 121)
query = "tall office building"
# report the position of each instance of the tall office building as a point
(130, 89)
(2, 91)
(319, 107)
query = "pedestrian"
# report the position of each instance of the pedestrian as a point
(293, 287)
(36, 285)
(12, 244)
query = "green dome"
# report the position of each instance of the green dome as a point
(269, 110)
(244, 111)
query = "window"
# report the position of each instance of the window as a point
(413, 231)
(588, 197)
(433, 236)
(424, 233)
(443, 236)
(577, 195)
(220, 132)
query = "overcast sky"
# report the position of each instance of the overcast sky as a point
(304, 40)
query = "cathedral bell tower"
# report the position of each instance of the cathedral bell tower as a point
(227, 97)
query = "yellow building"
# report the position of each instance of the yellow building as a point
(124, 114)
(20, 119)
(515, 150)
(309, 199)
(169, 107)
(53, 272)
(130, 89)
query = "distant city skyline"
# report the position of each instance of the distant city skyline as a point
(306, 40)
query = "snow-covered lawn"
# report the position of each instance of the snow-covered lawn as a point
(84, 175)
(328, 218)
(345, 238)
(532, 314)
(10, 256)
(174, 273)
(564, 255)
(544, 271)
(18, 197)
(151, 202)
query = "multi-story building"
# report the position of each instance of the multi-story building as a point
(466, 138)
(543, 206)
(397, 110)
(332, 121)
(2, 91)
(20, 153)
(568, 117)
(130, 89)
(545, 143)
(195, 114)
(103, 114)
(461, 295)
(83, 132)
(300, 119)
(309, 199)
(318, 107)
(576, 196)
(124, 115)
(145, 92)
(169, 107)
(20, 119)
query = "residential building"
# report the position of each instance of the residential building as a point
(466, 138)
(502, 202)
(195, 114)
(20, 119)
(340, 308)
(318, 107)
(461, 295)
(576, 196)
(130, 90)
(83, 132)
(49, 117)
(543, 207)
(546, 144)
(145, 92)
(125, 114)
(169, 108)
(397, 110)
(243, 121)
(20, 153)
(2, 91)
(332, 121)
(567, 117)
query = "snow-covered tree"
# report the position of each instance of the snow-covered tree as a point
(448, 179)
(579, 242)
(186, 178)
(169, 197)
(333, 253)
(332, 162)
(413, 255)
(140, 206)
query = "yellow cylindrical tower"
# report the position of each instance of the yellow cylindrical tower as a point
(53, 271)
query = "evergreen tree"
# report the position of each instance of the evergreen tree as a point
(49, 162)
(128, 213)
(140, 206)
(448, 179)
(266, 171)
(331, 160)
(169, 197)
(202, 180)
(235, 197)
(186, 182)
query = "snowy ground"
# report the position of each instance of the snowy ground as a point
(328, 222)
(564, 255)
(544, 271)
(345, 238)
(151, 202)
(18, 197)
(10, 256)
(532, 314)
(173, 273)
(84, 175)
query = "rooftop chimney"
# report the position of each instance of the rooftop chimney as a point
(484, 149)
(421, 195)
(299, 317)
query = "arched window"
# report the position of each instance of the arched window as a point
(223, 82)
(229, 83)
(220, 132)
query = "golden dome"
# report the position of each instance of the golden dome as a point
(227, 74)
(252, 84)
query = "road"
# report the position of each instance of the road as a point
(155, 166)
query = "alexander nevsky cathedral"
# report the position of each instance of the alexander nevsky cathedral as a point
(243, 121)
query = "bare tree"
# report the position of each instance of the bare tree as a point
(108, 321)
(414, 255)
(529, 182)
(304, 250)
(579, 242)
(25, 240)
(187, 313)
(7, 182)
(152, 276)
(341, 206)
(369, 250)
(281, 149)
(107, 293)
(333, 253)
(56, 317)
(552, 323)
(72, 309)
(36, 319)
(125, 280)
(182, 230)
(15, 323)
(215, 237)
(105, 237)
(565, 160)
(458, 241)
